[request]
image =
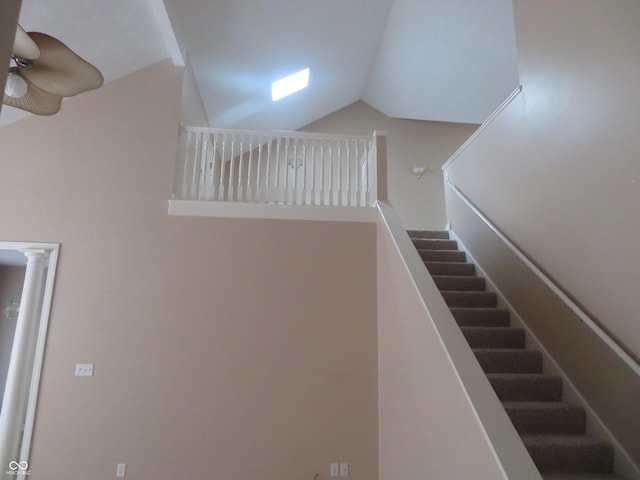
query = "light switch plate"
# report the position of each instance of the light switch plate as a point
(84, 369)
(344, 469)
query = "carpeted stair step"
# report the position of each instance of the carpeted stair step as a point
(569, 453)
(509, 360)
(552, 431)
(434, 244)
(546, 417)
(459, 283)
(451, 268)
(442, 255)
(481, 317)
(494, 337)
(428, 234)
(470, 299)
(526, 386)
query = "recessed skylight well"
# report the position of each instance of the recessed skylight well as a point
(288, 85)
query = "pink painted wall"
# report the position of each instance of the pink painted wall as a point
(223, 348)
(558, 171)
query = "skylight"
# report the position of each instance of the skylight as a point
(288, 85)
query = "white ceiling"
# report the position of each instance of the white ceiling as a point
(439, 60)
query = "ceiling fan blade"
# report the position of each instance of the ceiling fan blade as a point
(59, 70)
(35, 101)
(24, 46)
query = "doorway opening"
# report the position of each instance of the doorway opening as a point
(27, 273)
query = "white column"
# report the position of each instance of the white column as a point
(18, 377)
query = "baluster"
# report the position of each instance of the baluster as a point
(185, 167)
(313, 173)
(332, 180)
(339, 173)
(348, 180)
(278, 161)
(204, 172)
(304, 198)
(231, 193)
(358, 174)
(239, 189)
(196, 168)
(251, 193)
(286, 169)
(223, 188)
(267, 173)
(214, 168)
(295, 171)
(323, 185)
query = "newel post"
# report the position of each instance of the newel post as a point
(380, 141)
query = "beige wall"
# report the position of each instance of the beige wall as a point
(223, 348)
(11, 279)
(419, 202)
(558, 171)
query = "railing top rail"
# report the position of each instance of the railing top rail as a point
(277, 133)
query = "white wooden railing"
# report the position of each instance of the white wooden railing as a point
(277, 167)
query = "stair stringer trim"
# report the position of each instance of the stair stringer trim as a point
(595, 426)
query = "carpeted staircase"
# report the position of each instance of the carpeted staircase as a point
(552, 431)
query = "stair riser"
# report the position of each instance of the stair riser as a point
(451, 268)
(442, 255)
(560, 458)
(494, 337)
(470, 299)
(460, 284)
(564, 420)
(527, 388)
(481, 317)
(429, 244)
(496, 361)
(440, 234)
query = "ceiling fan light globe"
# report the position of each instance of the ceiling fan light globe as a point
(16, 86)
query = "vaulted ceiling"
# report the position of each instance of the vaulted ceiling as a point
(438, 60)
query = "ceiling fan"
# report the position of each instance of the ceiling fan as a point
(43, 71)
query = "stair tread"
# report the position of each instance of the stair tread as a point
(540, 405)
(460, 283)
(546, 417)
(573, 453)
(570, 440)
(451, 268)
(515, 351)
(494, 337)
(522, 376)
(582, 476)
(481, 316)
(414, 233)
(447, 256)
(469, 299)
